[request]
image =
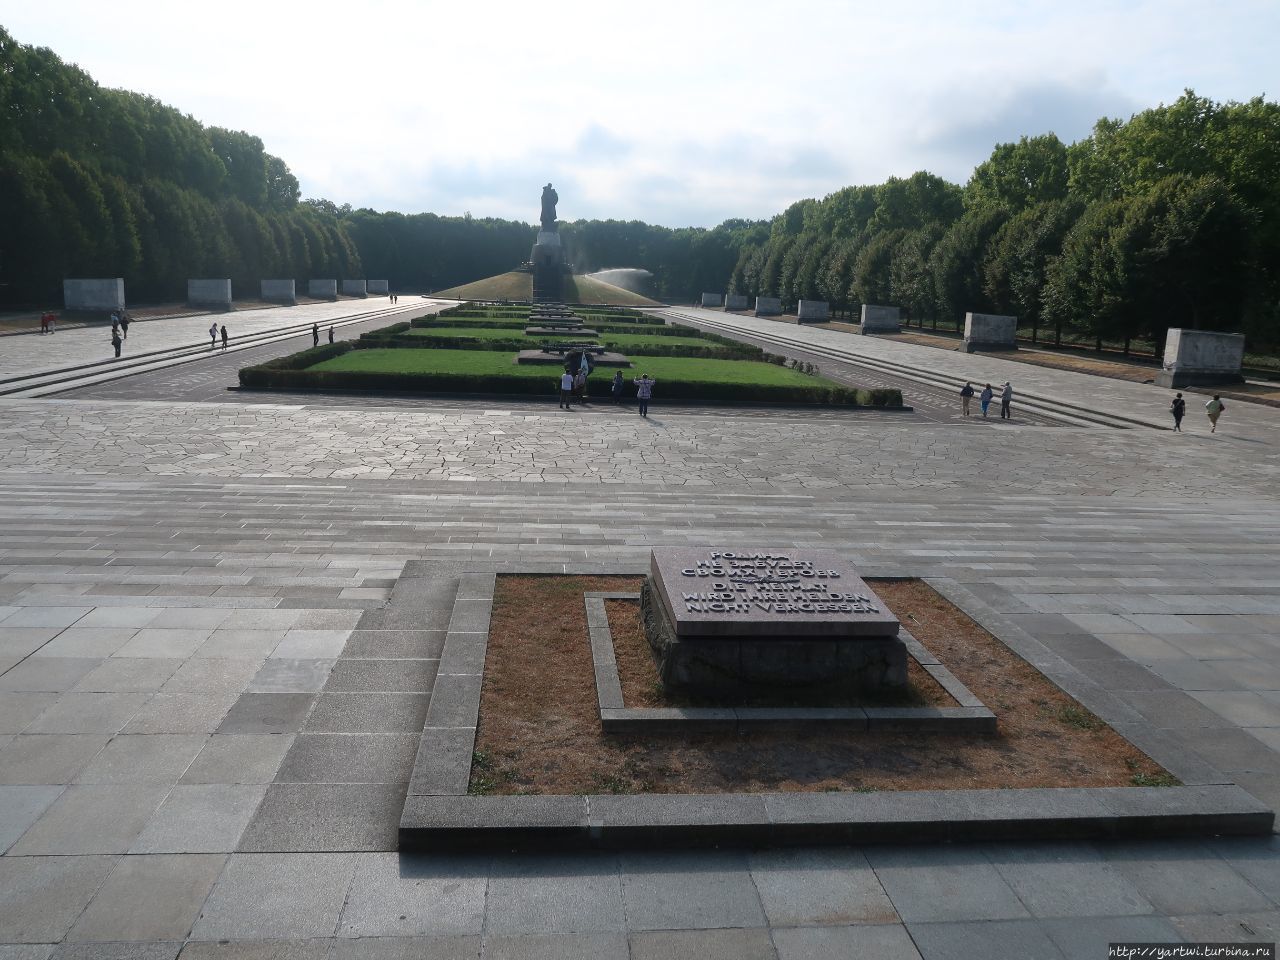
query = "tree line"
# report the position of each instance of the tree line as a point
(1171, 218)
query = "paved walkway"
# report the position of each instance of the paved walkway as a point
(197, 747)
(1141, 401)
(81, 345)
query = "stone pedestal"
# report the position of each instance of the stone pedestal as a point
(768, 306)
(548, 267)
(880, 319)
(93, 294)
(712, 300)
(813, 311)
(322, 289)
(989, 331)
(209, 294)
(735, 301)
(279, 291)
(1201, 358)
(354, 288)
(378, 287)
(738, 622)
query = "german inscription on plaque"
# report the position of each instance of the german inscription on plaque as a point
(774, 593)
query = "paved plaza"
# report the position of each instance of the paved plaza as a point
(208, 714)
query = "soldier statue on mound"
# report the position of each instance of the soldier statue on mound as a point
(549, 200)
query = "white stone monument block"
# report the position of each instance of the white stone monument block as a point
(381, 287)
(1196, 357)
(93, 294)
(354, 288)
(735, 301)
(279, 291)
(768, 306)
(322, 289)
(989, 331)
(817, 311)
(712, 300)
(880, 319)
(213, 294)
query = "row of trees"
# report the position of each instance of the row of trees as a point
(1169, 219)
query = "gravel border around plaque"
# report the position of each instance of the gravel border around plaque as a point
(971, 716)
(439, 815)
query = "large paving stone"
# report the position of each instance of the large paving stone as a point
(149, 898)
(276, 896)
(411, 896)
(326, 816)
(40, 897)
(556, 894)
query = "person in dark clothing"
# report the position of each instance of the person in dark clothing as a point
(616, 387)
(1179, 410)
(966, 394)
(1006, 398)
(224, 336)
(331, 334)
(315, 334)
(985, 398)
(124, 324)
(116, 341)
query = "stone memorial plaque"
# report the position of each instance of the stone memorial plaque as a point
(772, 594)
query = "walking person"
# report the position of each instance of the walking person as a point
(115, 326)
(213, 335)
(566, 390)
(985, 399)
(615, 388)
(966, 395)
(644, 392)
(116, 341)
(580, 384)
(315, 334)
(1179, 410)
(223, 332)
(124, 323)
(1214, 409)
(1006, 398)
(331, 333)
(44, 323)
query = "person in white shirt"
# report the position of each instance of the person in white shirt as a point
(566, 390)
(644, 392)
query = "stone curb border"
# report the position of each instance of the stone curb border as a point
(971, 716)
(439, 815)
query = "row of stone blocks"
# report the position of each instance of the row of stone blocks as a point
(817, 310)
(215, 294)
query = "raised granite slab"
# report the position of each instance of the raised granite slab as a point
(744, 593)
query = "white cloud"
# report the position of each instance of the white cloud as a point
(669, 112)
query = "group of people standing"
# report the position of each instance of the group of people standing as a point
(574, 386)
(984, 399)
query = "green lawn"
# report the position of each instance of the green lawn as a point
(483, 363)
(624, 340)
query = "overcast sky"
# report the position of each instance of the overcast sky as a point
(671, 112)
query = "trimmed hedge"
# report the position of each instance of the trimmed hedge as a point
(269, 376)
(415, 341)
